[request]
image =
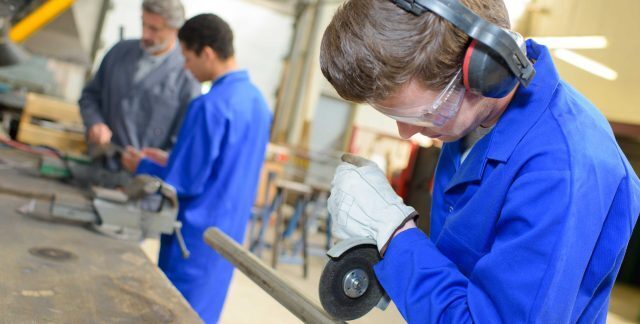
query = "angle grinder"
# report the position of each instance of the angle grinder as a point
(348, 287)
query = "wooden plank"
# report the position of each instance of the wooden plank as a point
(55, 110)
(66, 142)
(298, 304)
(46, 107)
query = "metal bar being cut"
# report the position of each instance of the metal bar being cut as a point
(298, 304)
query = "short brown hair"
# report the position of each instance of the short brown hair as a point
(373, 47)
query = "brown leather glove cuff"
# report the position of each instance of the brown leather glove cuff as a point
(413, 216)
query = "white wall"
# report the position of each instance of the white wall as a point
(262, 35)
(516, 8)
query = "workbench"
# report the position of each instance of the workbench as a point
(66, 273)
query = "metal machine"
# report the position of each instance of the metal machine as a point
(10, 53)
(147, 207)
(348, 286)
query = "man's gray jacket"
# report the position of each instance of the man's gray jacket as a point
(147, 113)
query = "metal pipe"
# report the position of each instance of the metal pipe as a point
(291, 75)
(309, 61)
(38, 19)
(298, 304)
(97, 38)
(10, 53)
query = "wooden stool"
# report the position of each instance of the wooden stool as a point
(303, 193)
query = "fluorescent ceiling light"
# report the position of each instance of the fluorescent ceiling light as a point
(586, 64)
(573, 42)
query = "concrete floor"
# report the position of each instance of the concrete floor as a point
(248, 303)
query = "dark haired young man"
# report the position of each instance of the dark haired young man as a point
(214, 166)
(534, 202)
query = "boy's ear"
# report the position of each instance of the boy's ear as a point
(209, 53)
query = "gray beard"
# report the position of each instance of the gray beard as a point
(152, 50)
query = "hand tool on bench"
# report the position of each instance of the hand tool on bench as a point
(145, 208)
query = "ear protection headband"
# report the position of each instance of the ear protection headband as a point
(494, 62)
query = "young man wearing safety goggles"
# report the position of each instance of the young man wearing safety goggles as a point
(534, 203)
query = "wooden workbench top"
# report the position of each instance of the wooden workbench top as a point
(66, 273)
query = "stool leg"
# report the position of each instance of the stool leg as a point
(252, 225)
(305, 254)
(295, 218)
(329, 239)
(317, 201)
(259, 243)
(277, 237)
(266, 208)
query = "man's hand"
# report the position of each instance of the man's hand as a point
(131, 158)
(156, 155)
(362, 203)
(99, 134)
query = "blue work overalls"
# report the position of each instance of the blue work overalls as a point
(532, 227)
(214, 168)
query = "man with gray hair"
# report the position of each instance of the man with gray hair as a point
(140, 93)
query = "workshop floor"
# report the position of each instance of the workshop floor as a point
(248, 303)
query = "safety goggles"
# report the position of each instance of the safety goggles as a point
(437, 113)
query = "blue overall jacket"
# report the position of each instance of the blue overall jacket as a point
(214, 167)
(532, 227)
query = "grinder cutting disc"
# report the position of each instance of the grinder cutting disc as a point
(348, 286)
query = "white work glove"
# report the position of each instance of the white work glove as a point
(363, 204)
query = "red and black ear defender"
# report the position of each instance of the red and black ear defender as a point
(495, 61)
(486, 73)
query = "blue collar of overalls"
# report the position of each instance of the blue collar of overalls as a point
(231, 77)
(523, 112)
